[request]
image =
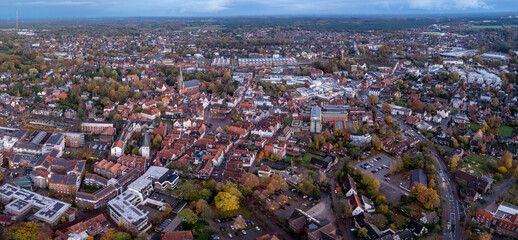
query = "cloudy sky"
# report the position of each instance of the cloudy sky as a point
(198, 8)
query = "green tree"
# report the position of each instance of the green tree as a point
(188, 216)
(362, 232)
(122, 236)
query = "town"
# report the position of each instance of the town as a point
(259, 129)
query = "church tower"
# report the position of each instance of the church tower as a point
(179, 82)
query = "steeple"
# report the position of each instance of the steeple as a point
(179, 82)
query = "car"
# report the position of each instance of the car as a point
(282, 207)
(243, 232)
(257, 228)
(288, 204)
(305, 196)
(230, 235)
(214, 237)
(353, 229)
(386, 175)
(387, 179)
(232, 227)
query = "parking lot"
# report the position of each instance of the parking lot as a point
(378, 166)
(224, 226)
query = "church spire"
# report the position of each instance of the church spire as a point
(179, 82)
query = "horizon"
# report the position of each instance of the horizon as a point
(95, 9)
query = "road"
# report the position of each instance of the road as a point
(342, 225)
(451, 205)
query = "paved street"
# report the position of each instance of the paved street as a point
(451, 204)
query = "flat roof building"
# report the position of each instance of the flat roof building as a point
(21, 201)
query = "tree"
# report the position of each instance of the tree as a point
(205, 194)
(386, 107)
(22, 231)
(417, 104)
(362, 232)
(239, 222)
(226, 201)
(190, 191)
(485, 236)
(379, 220)
(203, 209)
(108, 235)
(372, 99)
(250, 180)
(157, 141)
(426, 196)
(453, 162)
(502, 170)
(188, 216)
(376, 142)
(371, 184)
(507, 158)
(122, 236)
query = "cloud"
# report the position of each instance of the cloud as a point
(56, 3)
(447, 4)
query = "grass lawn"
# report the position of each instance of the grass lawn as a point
(506, 131)
(477, 165)
(90, 189)
(401, 103)
(240, 211)
(474, 127)
(487, 27)
(307, 157)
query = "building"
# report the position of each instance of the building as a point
(95, 128)
(20, 202)
(316, 120)
(145, 146)
(123, 208)
(84, 229)
(419, 176)
(123, 211)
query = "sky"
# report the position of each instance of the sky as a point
(37, 9)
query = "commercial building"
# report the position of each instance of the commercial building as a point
(20, 202)
(316, 119)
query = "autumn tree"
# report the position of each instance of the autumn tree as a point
(108, 235)
(386, 107)
(22, 231)
(376, 142)
(226, 202)
(371, 184)
(203, 209)
(239, 222)
(157, 141)
(372, 99)
(507, 158)
(485, 236)
(452, 164)
(250, 180)
(426, 196)
(417, 104)
(188, 216)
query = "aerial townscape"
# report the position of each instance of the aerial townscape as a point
(260, 128)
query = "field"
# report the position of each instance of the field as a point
(505, 131)
(307, 157)
(487, 27)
